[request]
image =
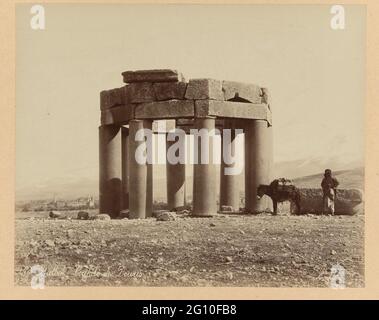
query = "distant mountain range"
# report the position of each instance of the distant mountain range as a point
(348, 179)
(305, 173)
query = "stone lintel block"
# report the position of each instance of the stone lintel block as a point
(140, 92)
(170, 109)
(201, 89)
(163, 126)
(170, 90)
(241, 92)
(187, 124)
(117, 115)
(158, 75)
(190, 123)
(229, 109)
(111, 98)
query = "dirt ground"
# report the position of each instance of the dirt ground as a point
(226, 250)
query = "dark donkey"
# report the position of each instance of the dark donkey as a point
(280, 190)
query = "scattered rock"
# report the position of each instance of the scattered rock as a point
(70, 233)
(229, 259)
(124, 214)
(166, 216)
(184, 278)
(50, 243)
(102, 216)
(333, 252)
(184, 212)
(57, 215)
(212, 224)
(61, 242)
(83, 215)
(227, 209)
(33, 243)
(156, 213)
(85, 242)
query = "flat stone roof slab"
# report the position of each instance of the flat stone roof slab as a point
(158, 75)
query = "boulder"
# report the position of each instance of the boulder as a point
(102, 216)
(347, 202)
(57, 215)
(124, 214)
(184, 212)
(83, 215)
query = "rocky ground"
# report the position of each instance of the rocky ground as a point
(227, 250)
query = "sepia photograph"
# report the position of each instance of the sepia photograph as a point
(179, 145)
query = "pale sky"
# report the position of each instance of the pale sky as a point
(315, 74)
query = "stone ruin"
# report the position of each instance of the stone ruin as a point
(151, 95)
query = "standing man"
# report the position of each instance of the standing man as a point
(329, 188)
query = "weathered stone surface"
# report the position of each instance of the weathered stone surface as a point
(191, 122)
(140, 174)
(110, 173)
(204, 174)
(241, 92)
(170, 90)
(185, 122)
(265, 96)
(111, 98)
(228, 109)
(159, 75)
(117, 115)
(165, 110)
(163, 126)
(140, 92)
(200, 89)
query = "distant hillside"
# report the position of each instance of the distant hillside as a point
(74, 187)
(347, 178)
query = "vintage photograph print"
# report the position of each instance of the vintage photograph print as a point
(190, 145)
